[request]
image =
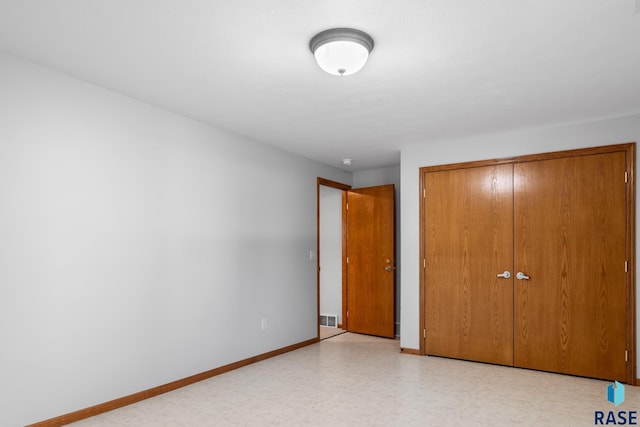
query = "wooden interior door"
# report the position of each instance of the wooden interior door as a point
(469, 228)
(570, 226)
(371, 261)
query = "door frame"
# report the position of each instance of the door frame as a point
(344, 188)
(629, 150)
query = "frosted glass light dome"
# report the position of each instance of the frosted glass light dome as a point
(341, 51)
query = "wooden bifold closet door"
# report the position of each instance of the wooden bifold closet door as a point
(570, 225)
(469, 234)
(525, 262)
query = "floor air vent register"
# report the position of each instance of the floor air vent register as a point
(330, 320)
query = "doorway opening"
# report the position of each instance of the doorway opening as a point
(331, 259)
(356, 257)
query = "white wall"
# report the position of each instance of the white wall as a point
(605, 132)
(331, 251)
(138, 247)
(385, 176)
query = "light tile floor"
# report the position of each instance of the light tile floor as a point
(357, 380)
(327, 332)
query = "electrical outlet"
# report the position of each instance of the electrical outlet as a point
(263, 324)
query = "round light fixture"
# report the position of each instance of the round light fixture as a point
(341, 51)
(347, 162)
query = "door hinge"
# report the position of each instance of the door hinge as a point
(347, 260)
(347, 206)
(424, 193)
(347, 313)
(626, 355)
(424, 263)
(626, 266)
(424, 333)
(626, 177)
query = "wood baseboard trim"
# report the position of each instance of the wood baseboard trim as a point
(410, 351)
(152, 392)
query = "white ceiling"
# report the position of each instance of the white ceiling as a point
(440, 69)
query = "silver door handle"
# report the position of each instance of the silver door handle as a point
(521, 276)
(388, 268)
(504, 275)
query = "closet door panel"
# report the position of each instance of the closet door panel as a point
(569, 239)
(469, 229)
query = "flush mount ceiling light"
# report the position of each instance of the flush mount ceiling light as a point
(341, 51)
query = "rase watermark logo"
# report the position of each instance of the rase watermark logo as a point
(615, 395)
